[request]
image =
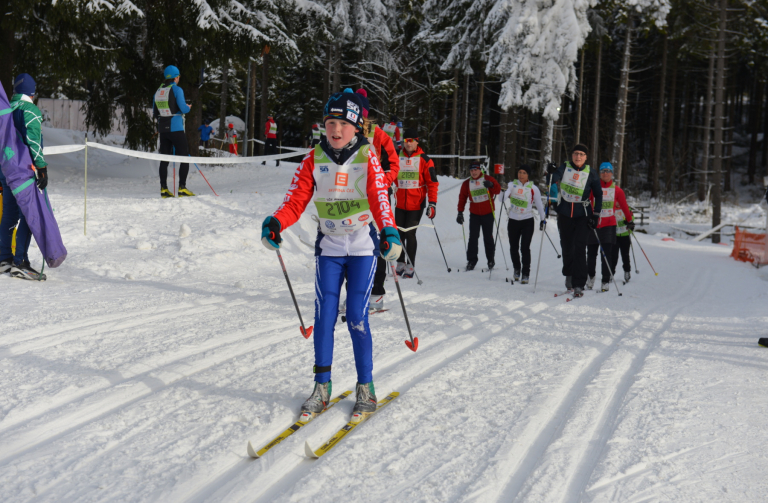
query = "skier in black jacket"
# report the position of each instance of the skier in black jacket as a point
(575, 216)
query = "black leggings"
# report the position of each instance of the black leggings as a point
(406, 219)
(520, 235)
(622, 245)
(168, 142)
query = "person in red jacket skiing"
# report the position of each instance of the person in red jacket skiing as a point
(343, 177)
(613, 198)
(416, 185)
(270, 136)
(482, 189)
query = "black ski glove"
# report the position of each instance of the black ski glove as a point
(631, 226)
(551, 168)
(542, 225)
(593, 220)
(487, 184)
(460, 218)
(42, 178)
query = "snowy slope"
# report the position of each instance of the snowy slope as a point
(143, 366)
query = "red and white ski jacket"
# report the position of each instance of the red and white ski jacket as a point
(620, 201)
(362, 242)
(415, 199)
(385, 149)
(270, 129)
(481, 208)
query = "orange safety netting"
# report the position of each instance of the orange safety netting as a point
(749, 247)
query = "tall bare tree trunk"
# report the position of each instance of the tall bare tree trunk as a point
(336, 69)
(755, 107)
(252, 112)
(596, 111)
(465, 115)
(659, 122)
(706, 129)
(502, 159)
(617, 150)
(717, 163)
(671, 169)
(224, 98)
(512, 153)
(546, 145)
(264, 94)
(327, 72)
(481, 93)
(194, 96)
(688, 117)
(581, 94)
(454, 126)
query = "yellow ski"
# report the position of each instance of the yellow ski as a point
(291, 430)
(346, 429)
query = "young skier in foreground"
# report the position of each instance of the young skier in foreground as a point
(344, 178)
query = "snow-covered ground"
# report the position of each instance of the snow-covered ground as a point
(141, 369)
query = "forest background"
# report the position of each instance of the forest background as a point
(664, 89)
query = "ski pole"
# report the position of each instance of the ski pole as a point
(541, 245)
(204, 178)
(553, 244)
(501, 243)
(646, 256)
(605, 259)
(174, 179)
(439, 244)
(413, 344)
(632, 247)
(408, 259)
(306, 332)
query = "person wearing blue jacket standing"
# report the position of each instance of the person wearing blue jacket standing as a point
(205, 134)
(169, 108)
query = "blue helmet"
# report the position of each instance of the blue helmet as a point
(171, 72)
(606, 166)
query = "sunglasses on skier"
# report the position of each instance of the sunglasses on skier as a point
(410, 140)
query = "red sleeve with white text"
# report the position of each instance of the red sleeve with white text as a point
(378, 199)
(299, 193)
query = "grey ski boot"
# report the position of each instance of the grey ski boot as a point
(317, 401)
(568, 283)
(366, 401)
(590, 282)
(627, 277)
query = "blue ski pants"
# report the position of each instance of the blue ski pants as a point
(11, 216)
(329, 276)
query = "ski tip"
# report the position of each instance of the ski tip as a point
(309, 452)
(306, 332)
(251, 451)
(413, 347)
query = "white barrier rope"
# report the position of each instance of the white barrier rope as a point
(197, 160)
(62, 149)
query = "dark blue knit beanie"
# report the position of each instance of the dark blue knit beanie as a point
(24, 84)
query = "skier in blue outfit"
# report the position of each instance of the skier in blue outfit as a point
(169, 108)
(345, 180)
(205, 134)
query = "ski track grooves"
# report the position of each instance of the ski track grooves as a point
(265, 486)
(524, 464)
(138, 387)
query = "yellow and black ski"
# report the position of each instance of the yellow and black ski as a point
(291, 429)
(346, 429)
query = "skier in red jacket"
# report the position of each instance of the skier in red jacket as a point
(613, 198)
(270, 136)
(416, 185)
(481, 188)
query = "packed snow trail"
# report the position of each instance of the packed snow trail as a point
(141, 369)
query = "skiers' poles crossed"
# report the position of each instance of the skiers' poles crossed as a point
(641, 249)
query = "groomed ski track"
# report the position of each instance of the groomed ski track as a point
(149, 388)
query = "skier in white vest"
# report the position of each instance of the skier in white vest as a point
(344, 179)
(522, 195)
